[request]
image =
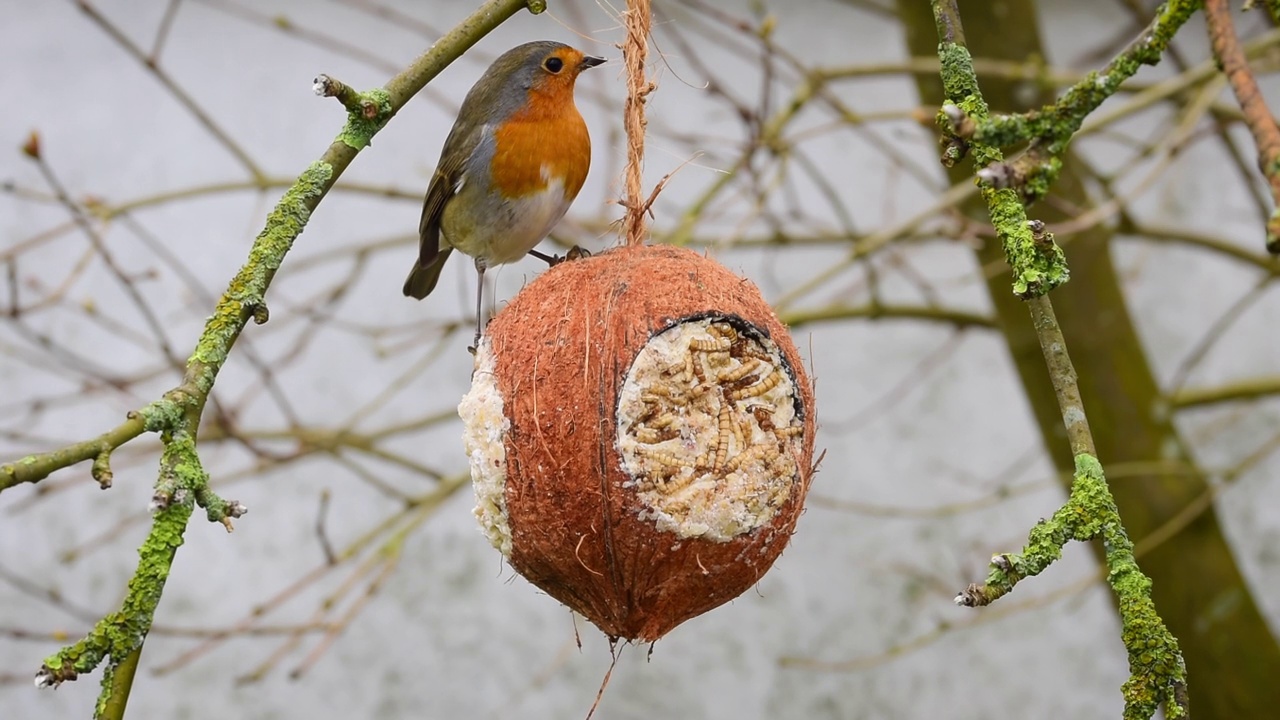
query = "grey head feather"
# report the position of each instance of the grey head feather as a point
(519, 66)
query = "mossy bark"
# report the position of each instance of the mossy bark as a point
(1232, 658)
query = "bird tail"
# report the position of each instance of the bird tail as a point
(422, 279)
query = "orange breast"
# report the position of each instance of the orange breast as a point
(549, 132)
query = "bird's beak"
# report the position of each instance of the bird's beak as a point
(590, 62)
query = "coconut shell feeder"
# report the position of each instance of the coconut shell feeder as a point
(640, 431)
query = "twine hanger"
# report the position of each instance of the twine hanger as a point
(635, 52)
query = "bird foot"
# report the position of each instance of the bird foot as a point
(575, 253)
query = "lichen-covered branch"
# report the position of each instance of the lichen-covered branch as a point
(1037, 262)
(122, 632)
(1157, 673)
(351, 99)
(1050, 129)
(1257, 116)
(182, 483)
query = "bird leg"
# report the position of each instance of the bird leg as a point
(479, 304)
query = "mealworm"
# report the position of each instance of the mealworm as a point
(746, 368)
(788, 431)
(663, 457)
(722, 442)
(661, 421)
(717, 344)
(760, 388)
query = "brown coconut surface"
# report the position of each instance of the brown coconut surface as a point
(562, 348)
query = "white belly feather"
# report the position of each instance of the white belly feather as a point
(533, 218)
(504, 230)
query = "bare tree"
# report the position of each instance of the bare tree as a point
(812, 166)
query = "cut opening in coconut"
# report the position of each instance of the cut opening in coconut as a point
(709, 428)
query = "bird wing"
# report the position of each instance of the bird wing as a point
(445, 183)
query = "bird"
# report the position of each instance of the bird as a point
(511, 166)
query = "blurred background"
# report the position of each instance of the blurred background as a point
(799, 141)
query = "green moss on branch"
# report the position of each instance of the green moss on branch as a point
(120, 633)
(1037, 269)
(182, 481)
(1157, 674)
(1157, 671)
(1050, 129)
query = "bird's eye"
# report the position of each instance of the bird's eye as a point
(553, 64)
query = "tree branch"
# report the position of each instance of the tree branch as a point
(182, 482)
(1257, 388)
(34, 468)
(1050, 128)
(1258, 118)
(1157, 672)
(946, 316)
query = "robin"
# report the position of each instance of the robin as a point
(513, 163)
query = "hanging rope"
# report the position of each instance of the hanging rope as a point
(635, 52)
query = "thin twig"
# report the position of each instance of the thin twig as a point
(162, 32)
(173, 87)
(127, 283)
(321, 514)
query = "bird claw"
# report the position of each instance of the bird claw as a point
(575, 253)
